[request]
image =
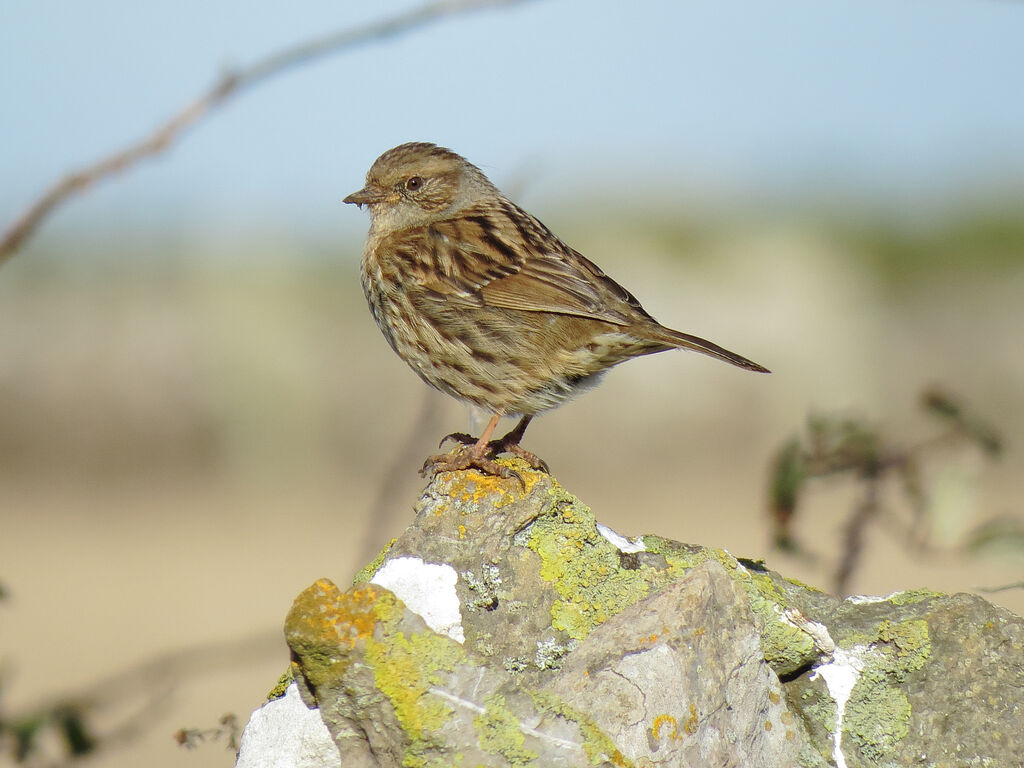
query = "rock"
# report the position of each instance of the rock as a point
(680, 679)
(506, 627)
(285, 732)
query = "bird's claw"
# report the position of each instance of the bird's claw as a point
(465, 459)
(461, 438)
(535, 461)
(495, 447)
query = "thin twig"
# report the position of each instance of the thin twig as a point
(1002, 588)
(853, 536)
(226, 86)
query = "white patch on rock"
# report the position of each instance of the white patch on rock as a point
(840, 676)
(817, 631)
(285, 732)
(621, 542)
(866, 599)
(428, 590)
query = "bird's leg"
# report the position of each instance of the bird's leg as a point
(510, 444)
(515, 435)
(480, 446)
(471, 456)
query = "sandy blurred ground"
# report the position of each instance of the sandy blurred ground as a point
(189, 438)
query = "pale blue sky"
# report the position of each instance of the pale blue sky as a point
(917, 96)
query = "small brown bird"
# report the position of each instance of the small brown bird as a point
(487, 305)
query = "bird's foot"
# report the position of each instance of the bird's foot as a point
(466, 458)
(507, 444)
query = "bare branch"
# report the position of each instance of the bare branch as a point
(853, 537)
(1003, 588)
(226, 86)
(135, 695)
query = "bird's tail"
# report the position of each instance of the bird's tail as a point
(682, 340)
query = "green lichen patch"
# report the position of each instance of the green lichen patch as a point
(910, 645)
(585, 568)
(815, 710)
(281, 686)
(877, 715)
(911, 596)
(682, 557)
(422, 754)
(786, 647)
(597, 745)
(370, 570)
(819, 709)
(811, 758)
(803, 585)
(405, 667)
(499, 732)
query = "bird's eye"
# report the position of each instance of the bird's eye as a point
(413, 183)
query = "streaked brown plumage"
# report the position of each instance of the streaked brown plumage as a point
(486, 304)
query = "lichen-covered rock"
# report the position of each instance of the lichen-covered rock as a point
(506, 627)
(679, 679)
(392, 691)
(919, 678)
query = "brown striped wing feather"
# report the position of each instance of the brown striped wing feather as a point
(492, 258)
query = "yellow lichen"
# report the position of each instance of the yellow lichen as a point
(474, 487)
(690, 727)
(325, 622)
(662, 721)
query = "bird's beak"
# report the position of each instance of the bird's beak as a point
(365, 196)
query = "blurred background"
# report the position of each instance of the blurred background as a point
(198, 416)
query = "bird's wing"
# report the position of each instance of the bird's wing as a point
(508, 259)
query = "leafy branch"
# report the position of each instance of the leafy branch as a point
(851, 448)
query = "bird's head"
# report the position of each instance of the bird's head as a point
(417, 183)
